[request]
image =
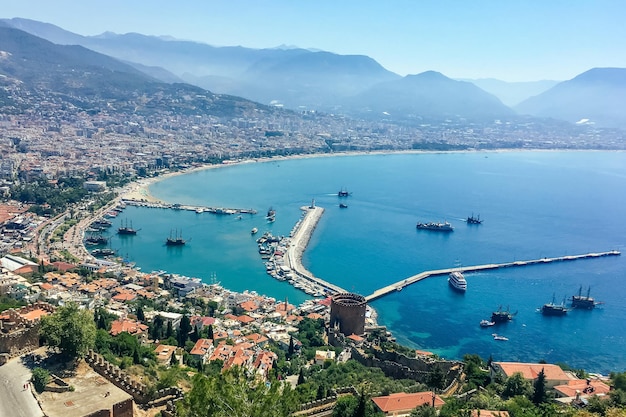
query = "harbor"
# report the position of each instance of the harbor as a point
(398, 286)
(284, 255)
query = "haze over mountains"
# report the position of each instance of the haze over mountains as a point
(34, 71)
(354, 85)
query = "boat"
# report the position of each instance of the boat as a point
(176, 240)
(254, 231)
(502, 316)
(438, 227)
(343, 193)
(271, 213)
(474, 220)
(103, 252)
(552, 309)
(487, 323)
(96, 240)
(199, 210)
(271, 219)
(125, 229)
(583, 301)
(457, 281)
(100, 223)
(343, 205)
(499, 337)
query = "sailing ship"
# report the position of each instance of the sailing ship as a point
(583, 301)
(125, 229)
(474, 220)
(176, 239)
(343, 193)
(553, 309)
(502, 316)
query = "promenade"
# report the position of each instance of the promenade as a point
(398, 286)
(298, 243)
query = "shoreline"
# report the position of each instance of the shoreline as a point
(140, 190)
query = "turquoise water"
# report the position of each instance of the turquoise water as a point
(534, 204)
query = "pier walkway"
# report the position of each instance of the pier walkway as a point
(299, 241)
(423, 275)
(197, 209)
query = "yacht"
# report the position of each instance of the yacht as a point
(457, 281)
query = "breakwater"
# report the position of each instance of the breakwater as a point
(398, 286)
(197, 209)
(299, 240)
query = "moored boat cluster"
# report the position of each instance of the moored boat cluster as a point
(273, 249)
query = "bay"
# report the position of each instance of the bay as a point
(534, 205)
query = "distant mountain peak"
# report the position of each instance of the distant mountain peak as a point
(598, 94)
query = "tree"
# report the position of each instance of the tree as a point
(437, 379)
(70, 329)
(41, 377)
(210, 332)
(301, 379)
(516, 385)
(539, 394)
(169, 330)
(195, 335)
(183, 330)
(140, 314)
(291, 348)
(232, 394)
(424, 410)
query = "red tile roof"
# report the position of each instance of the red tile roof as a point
(202, 347)
(531, 370)
(406, 402)
(593, 387)
(35, 314)
(125, 325)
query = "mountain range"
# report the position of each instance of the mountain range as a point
(354, 85)
(35, 71)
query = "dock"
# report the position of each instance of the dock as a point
(398, 286)
(299, 241)
(197, 209)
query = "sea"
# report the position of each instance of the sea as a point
(534, 204)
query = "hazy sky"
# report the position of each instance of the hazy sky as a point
(513, 40)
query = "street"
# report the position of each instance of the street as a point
(15, 401)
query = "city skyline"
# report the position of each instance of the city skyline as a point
(510, 41)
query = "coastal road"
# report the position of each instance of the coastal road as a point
(15, 401)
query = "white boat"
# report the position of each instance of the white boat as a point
(498, 337)
(487, 323)
(457, 281)
(254, 230)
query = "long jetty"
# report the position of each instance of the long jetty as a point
(299, 241)
(197, 209)
(398, 286)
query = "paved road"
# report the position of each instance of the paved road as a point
(15, 401)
